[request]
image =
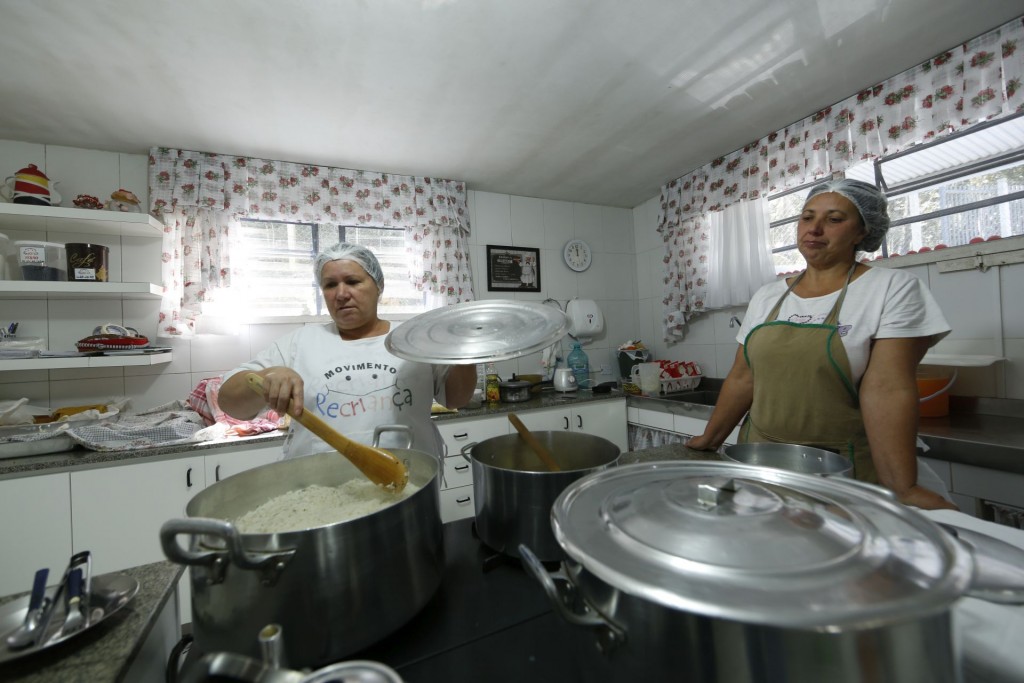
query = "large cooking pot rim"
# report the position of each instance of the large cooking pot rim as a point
(759, 546)
(574, 452)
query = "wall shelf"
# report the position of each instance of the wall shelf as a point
(25, 289)
(85, 362)
(85, 221)
(954, 360)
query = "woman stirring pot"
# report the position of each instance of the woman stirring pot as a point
(829, 358)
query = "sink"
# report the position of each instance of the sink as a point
(702, 398)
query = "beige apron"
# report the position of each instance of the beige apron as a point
(803, 391)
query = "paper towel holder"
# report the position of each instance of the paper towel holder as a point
(585, 319)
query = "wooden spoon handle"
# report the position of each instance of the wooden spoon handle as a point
(533, 443)
(379, 466)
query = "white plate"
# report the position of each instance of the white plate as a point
(477, 332)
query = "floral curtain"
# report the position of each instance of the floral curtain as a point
(200, 195)
(974, 82)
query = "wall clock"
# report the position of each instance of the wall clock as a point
(577, 255)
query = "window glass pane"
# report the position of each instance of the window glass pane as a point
(782, 235)
(788, 261)
(786, 206)
(1000, 220)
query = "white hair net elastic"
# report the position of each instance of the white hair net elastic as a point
(350, 252)
(871, 204)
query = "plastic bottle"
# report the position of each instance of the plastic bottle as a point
(579, 363)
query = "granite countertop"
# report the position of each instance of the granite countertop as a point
(105, 652)
(547, 398)
(83, 458)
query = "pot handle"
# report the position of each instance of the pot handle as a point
(998, 575)
(465, 452)
(270, 564)
(609, 634)
(404, 429)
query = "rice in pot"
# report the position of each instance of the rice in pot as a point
(317, 505)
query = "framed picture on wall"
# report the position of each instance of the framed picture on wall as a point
(513, 269)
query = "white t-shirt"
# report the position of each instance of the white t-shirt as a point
(356, 386)
(883, 303)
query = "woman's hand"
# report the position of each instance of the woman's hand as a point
(281, 386)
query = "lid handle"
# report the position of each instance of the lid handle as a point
(710, 495)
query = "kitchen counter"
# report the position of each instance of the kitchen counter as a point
(108, 651)
(547, 398)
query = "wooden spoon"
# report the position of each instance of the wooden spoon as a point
(533, 443)
(379, 466)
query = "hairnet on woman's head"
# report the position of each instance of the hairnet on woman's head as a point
(870, 202)
(350, 252)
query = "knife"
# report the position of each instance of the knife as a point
(28, 632)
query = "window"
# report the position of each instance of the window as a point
(963, 188)
(274, 267)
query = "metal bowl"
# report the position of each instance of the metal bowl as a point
(791, 457)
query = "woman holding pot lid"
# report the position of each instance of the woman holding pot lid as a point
(341, 370)
(828, 358)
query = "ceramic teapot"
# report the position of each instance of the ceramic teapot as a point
(30, 186)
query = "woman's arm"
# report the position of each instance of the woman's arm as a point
(733, 402)
(459, 386)
(889, 405)
(281, 386)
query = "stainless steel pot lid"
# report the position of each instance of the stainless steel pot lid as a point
(759, 546)
(477, 332)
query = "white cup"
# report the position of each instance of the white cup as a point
(648, 377)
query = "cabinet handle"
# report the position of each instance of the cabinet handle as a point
(461, 468)
(188, 478)
(460, 436)
(216, 473)
(579, 421)
(462, 501)
(566, 423)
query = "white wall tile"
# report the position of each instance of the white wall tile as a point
(558, 224)
(15, 155)
(645, 225)
(527, 222)
(82, 171)
(725, 356)
(259, 337)
(13, 389)
(493, 219)
(643, 279)
(969, 301)
(617, 227)
(149, 391)
(595, 282)
(134, 176)
(588, 225)
(620, 322)
(1012, 286)
(700, 329)
(73, 319)
(75, 392)
(215, 353)
(724, 333)
(556, 280)
(140, 260)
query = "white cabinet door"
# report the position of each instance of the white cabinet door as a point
(117, 512)
(36, 529)
(606, 419)
(457, 485)
(547, 420)
(222, 465)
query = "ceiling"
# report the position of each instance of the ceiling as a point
(597, 101)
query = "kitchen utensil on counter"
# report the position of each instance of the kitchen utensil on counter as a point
(648, 377)
(87, 262)
(564, 380)
(514, 391)
(28, 632)
(477, 332)
(73, 618)
(377, 464)
(533, 443)
(513, 489)
(393, 562)
(718, 571)
(792, 457)
(107, 595)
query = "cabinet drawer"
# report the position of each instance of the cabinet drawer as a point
(457, 472)
(998, 487)
(459, 433)
(457, 503)
(688, 425)
(656, 419)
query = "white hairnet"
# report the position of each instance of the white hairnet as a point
(871, 204)
(350, 252)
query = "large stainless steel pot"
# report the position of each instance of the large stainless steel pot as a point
(334, 589)
(730, 573)
(513, 490)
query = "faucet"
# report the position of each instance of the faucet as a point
(735, 322)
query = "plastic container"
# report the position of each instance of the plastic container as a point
(87, 262)
(579, 363)
(41, 260)
(933, 391)
(627, 359)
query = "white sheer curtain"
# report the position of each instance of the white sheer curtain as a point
(739, 256)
